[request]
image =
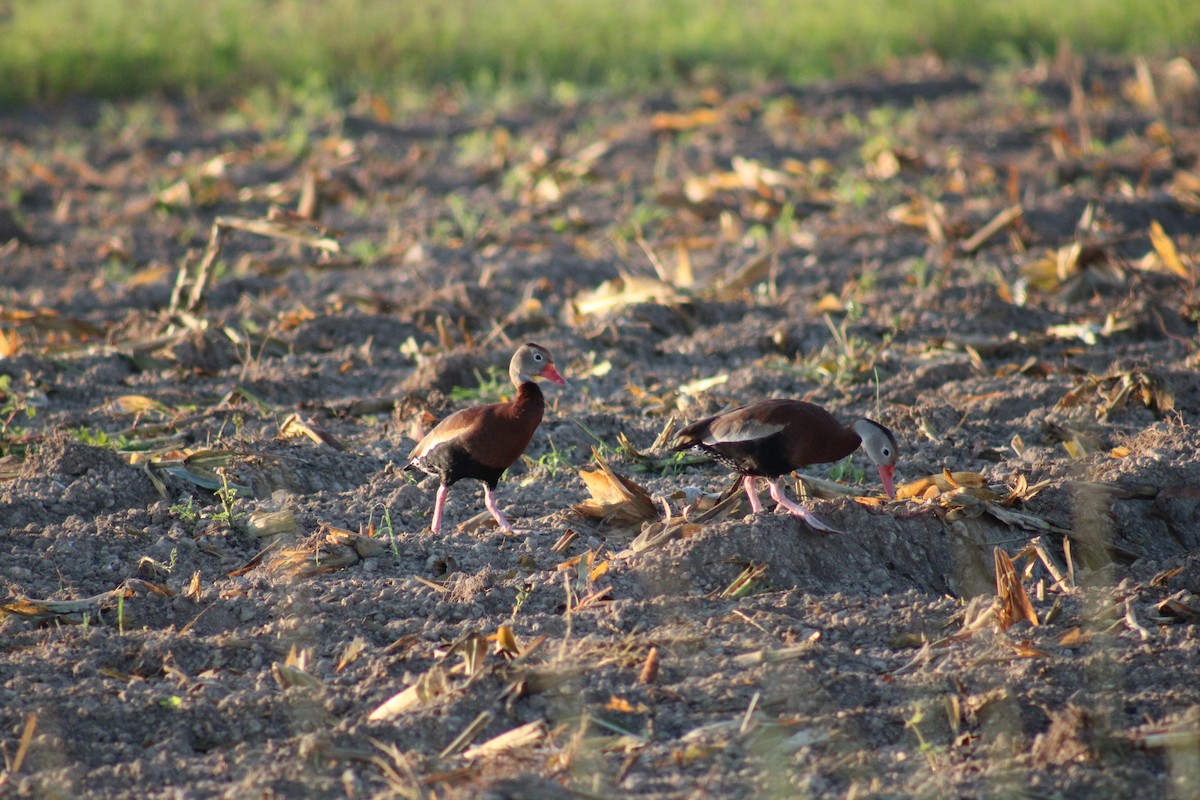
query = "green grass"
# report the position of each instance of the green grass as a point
(97, 437)
(14, 406)
(51, 49)
(550, 463)
(488, 389)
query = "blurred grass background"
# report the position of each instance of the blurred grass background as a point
(53, 49)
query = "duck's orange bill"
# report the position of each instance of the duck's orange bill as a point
(551, 374)
(886, 473)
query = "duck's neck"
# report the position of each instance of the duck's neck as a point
(529, 403)
(844, 443)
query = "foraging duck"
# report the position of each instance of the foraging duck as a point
(483, 441)
(771, 438)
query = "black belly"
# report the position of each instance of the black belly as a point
(451, 463)
(766, 457)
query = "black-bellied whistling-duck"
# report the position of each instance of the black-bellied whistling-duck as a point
(483, 441)
(771, 438)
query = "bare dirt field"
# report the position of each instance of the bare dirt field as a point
(216, 580)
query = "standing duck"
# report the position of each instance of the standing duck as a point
(771, 438)
(483, 441)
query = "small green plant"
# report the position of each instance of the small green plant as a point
(930, 751)
(919, 268)
(523, 593)
(264, 409)
(845, 470)
(97, 437)
(644, 215)
(677, 463)
(785, 225)
(12, 405)
(489, 389)
(550, 462)
(366, 250)
(853, 189)
(386, 529)
(749, 581)
(190, 512)
(168, 567)
(186, 512)
(118, 270)
(867, 281)
(846, 358)
(477, 148)
(173, 702)
(226, 494)
(467, 222)
(853, 124)
(391, 533)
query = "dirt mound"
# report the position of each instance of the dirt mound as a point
(63, 477)
(875, 554)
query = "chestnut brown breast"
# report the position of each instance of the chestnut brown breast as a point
(483, 441)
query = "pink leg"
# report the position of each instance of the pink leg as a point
(489, 500)
(752, 493)
(798, 510)
(442, 491)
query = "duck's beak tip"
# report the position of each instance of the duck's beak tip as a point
(887, 477)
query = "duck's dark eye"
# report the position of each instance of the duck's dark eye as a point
(537, 356)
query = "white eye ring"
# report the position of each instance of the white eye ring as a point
(537, 356)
